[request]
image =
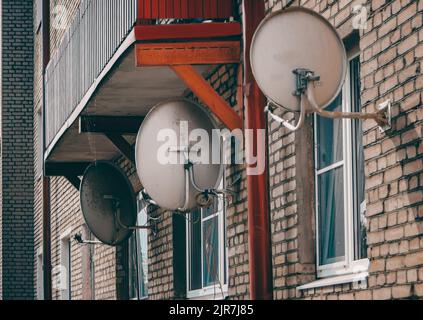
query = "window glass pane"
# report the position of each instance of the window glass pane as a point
(212, 209)
(138, 257)
(331, 217)
(329, 137)
(358, 164)
(211, 252)
(195, 250)
(142, 242)
(132, 270)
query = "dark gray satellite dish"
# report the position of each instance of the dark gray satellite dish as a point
(108, 203)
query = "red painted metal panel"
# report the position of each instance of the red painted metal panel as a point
(191, 9)
(207, 7)
(213, 9)
(147, 8)
(162, 9)
(221, 7)
(170, 10)
(155, 9)
(185, 9)
(177, 8)
(199, 9)
(189, 32)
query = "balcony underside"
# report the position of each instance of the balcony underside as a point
(128, 91)
(140, 78)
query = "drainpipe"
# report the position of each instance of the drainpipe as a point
(46, 180)
(261, 281)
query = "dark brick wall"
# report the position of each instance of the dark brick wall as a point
(17, 173)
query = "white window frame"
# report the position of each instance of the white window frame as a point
(349, 265)
(66, 264)
(137, 235)
(40, 274)
(217, 291)
(40, 144)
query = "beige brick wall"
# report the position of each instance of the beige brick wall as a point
(65, 209)
(391, 54)
(161, 251)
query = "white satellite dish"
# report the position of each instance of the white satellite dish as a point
(297, 39)
(108, 203)
(174, 186)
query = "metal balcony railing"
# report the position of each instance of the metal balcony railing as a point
(96, 32)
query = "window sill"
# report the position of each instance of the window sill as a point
(344, 279)
(211, 293)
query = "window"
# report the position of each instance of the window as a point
(138, 256)
(40, 275)
(40, 145)
(65, 267)
(340, 199)
(207, 253)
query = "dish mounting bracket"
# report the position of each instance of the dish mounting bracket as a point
(305, 85)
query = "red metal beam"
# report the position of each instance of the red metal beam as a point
(188, 32)
(258, 194)
(191, 53)
(205, 92)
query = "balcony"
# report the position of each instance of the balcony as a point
(120, 58)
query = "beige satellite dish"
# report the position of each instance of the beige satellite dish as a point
(297, 39)
(108, 203)
(176, 186)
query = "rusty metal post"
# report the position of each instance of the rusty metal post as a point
(261, 280)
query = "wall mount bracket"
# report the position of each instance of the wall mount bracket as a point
(305, 85)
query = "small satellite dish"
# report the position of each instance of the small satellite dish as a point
(297, 39)
(168, 183)
(108, 203)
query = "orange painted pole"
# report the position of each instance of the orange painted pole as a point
(261, 281)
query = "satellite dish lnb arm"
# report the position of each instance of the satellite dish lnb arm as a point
(381, 117)
(128, 227)
(305, 91)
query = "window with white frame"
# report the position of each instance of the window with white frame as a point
(207, 253)
(40, 144)
(138, 256)
(340, 197)
(40, 275)
(66, 267)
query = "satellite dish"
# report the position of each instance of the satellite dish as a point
(167, 183)
(292, 39)
(108, 203)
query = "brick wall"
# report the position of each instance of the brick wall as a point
(109, 272)
(393, 161)
(164, 283)
(391, 53)
(17, 175)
